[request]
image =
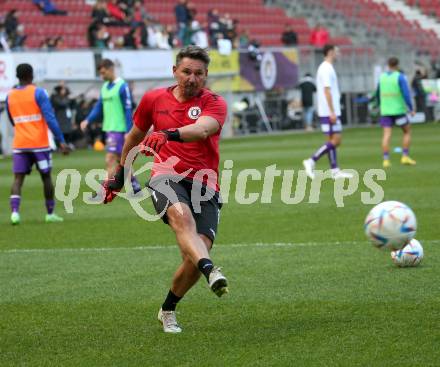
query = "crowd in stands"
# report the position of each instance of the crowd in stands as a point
(53, 43)
(146, 32)
(12, 35)
(220, 31)
(141, 30)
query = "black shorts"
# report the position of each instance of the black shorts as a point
(165, 191)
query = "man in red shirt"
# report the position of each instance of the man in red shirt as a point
(187, 121)
(319, 36)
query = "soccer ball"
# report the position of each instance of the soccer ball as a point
(410, 255)
(391, 225)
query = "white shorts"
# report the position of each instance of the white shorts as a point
(328, 128)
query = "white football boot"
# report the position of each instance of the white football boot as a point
(168, 321)
(338, 173)
(218, 282)
(309, 166)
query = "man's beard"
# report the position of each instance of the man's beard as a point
(191, 90)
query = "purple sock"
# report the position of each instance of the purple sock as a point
(386, 155)
(405, 151)
(135, 184)
(15, 203)
(50, 205)
(322, 150)
(332, 157)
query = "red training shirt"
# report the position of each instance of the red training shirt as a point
(160, 109)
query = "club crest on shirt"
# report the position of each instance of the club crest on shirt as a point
(194, 112)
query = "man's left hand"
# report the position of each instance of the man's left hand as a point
(154, 141)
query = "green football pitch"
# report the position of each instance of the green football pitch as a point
(306, 288)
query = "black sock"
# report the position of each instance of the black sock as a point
(170, 302)
(205, 266)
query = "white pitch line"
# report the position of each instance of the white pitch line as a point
(165, 247)
(174, 246)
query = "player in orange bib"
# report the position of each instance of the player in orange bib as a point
(32, 115)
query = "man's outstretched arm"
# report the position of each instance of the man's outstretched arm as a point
(202, 129)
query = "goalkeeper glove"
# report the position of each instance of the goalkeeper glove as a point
(113, 185)
(157, 139)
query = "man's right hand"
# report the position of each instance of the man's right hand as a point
(64, 148)
(333, 118)
(113, 185)
(83, 125)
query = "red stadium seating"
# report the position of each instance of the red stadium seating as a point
(377, 17)
(264, 23)
(428, 7)
(38, 27)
